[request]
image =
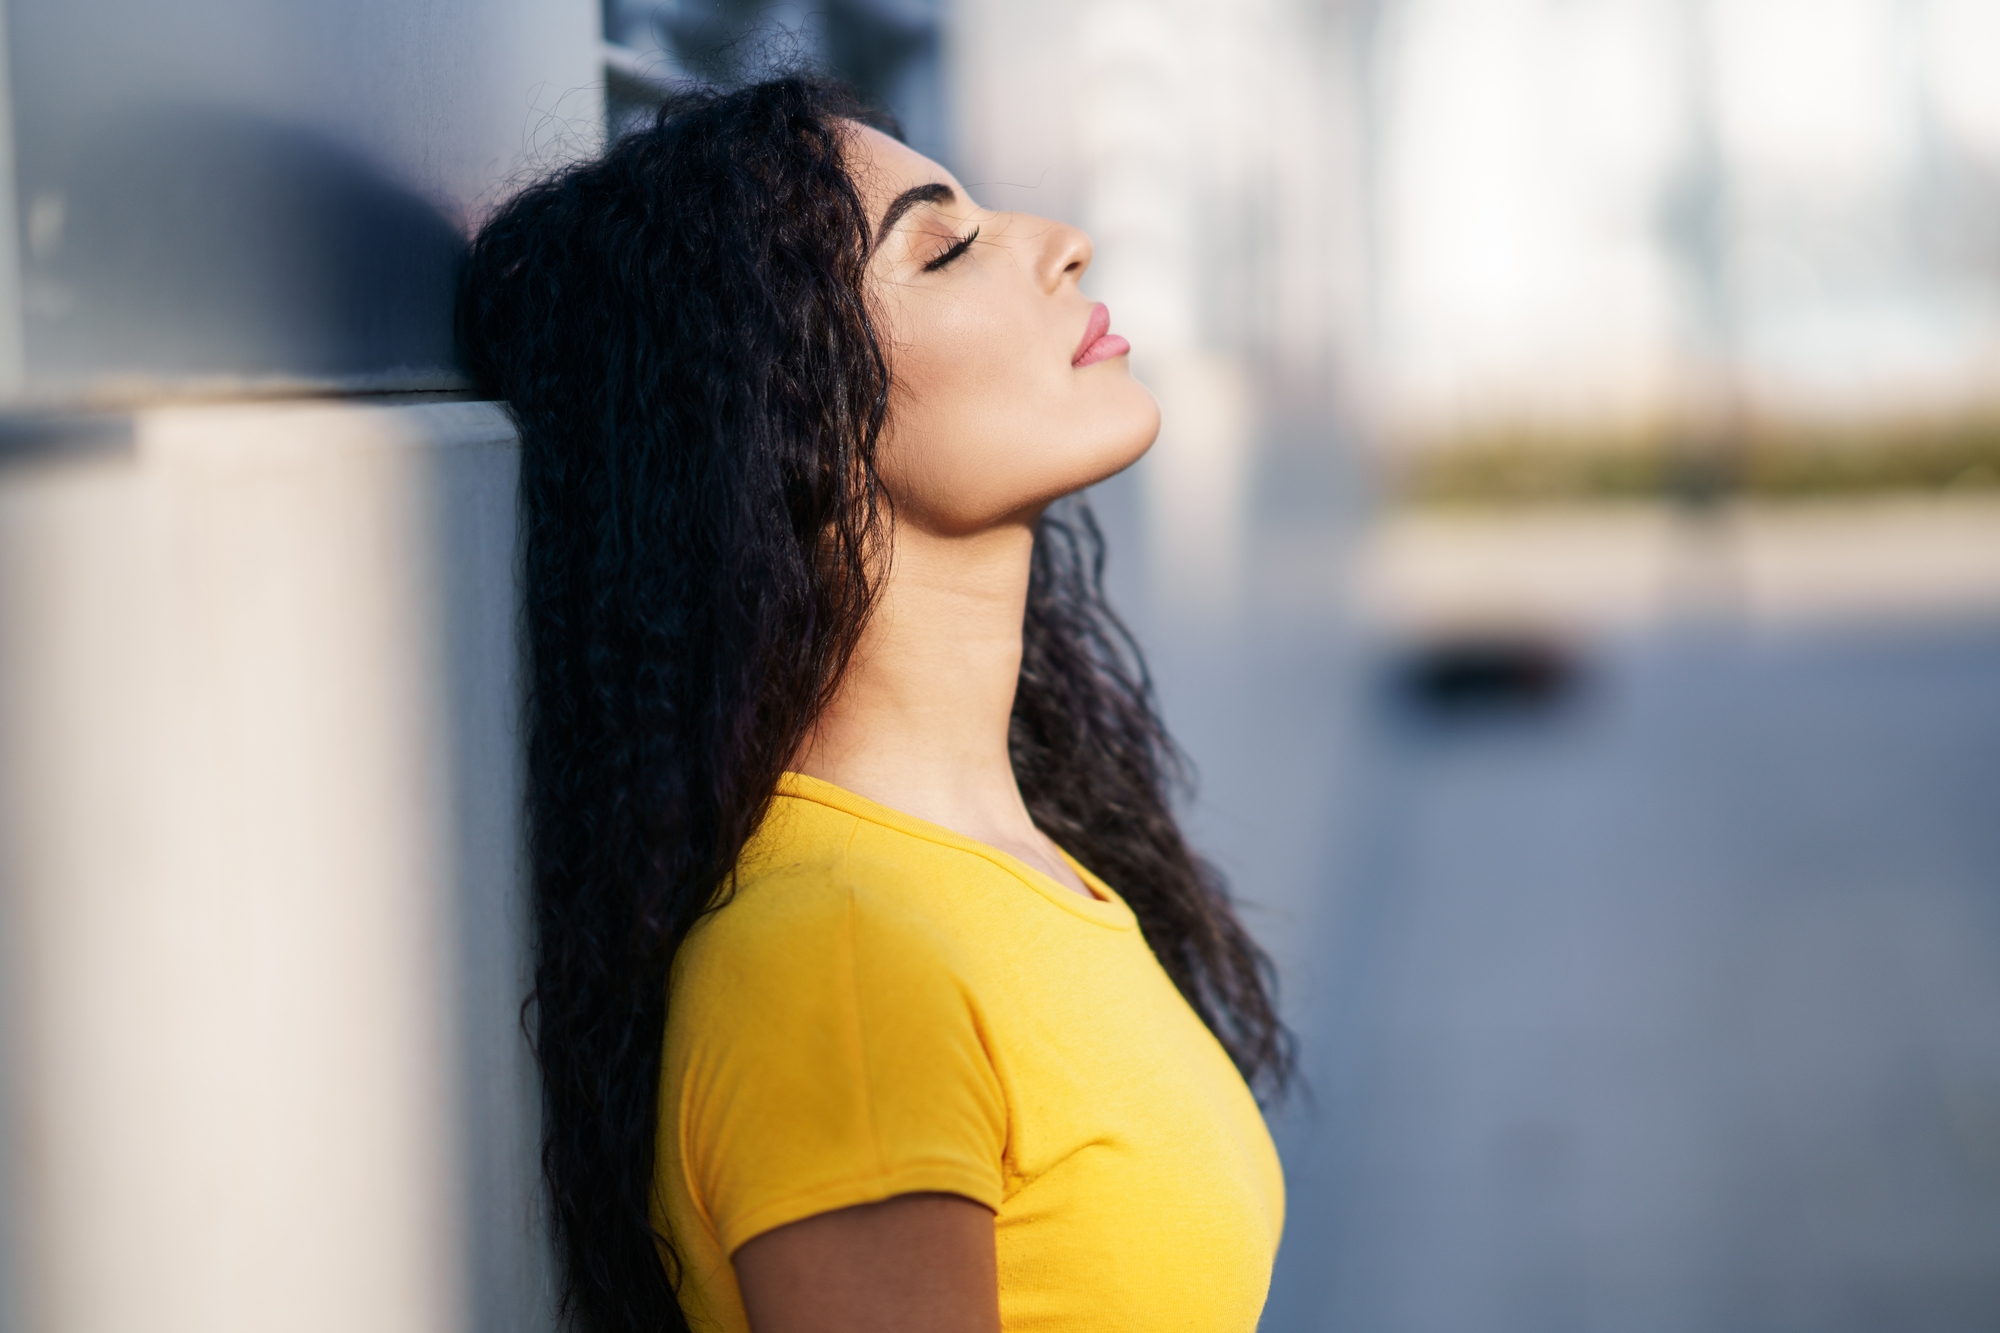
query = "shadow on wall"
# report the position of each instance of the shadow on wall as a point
(469, 490)
(197, 242)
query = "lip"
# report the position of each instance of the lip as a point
(1099, 342)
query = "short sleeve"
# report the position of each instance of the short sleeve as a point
(829, 1054)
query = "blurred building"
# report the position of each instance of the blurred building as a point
(1622, 860)
(1596, 216)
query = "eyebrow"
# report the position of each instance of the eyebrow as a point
(932, 193)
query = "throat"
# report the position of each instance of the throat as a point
(919, 721)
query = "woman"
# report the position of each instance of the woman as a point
(831, 736)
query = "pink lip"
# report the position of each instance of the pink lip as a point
(1099, 342)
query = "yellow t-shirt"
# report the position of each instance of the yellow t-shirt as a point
(886, 1007)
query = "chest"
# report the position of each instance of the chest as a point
(1109, 1073)
(1137, 1163)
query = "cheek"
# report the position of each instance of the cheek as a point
(963, 361)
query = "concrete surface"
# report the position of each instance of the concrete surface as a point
(1674, 1006)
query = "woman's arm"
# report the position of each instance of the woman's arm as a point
(917, 1263)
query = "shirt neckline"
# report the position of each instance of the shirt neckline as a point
(1108, 909)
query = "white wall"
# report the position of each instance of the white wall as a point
(261, 918)
(260, 894)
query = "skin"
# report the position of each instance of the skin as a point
(988, 423)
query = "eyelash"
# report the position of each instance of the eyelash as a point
(952, 253)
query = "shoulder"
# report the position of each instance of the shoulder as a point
(824, 1045)
(822, 894)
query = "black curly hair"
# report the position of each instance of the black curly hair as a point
(680, 331)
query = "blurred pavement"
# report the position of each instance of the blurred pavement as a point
(1673, 1005)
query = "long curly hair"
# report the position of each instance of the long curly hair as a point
(680, 331)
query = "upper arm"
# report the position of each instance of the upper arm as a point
(824, 1054)
(917, 1263)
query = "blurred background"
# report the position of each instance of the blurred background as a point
(1571, 562)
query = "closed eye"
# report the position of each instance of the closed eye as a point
(953, 253)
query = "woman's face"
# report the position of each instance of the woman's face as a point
(1007, 389)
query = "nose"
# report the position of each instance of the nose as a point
(1064, 253)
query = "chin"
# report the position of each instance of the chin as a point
(1109, 453)
(995, 480)
(1139, 428)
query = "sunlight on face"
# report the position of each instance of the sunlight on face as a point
(1007, 391)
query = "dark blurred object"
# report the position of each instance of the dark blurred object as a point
(888, 49)
(1486, 675)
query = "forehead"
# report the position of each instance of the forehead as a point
(884, 168)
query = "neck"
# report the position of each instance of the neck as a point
(919, 722)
